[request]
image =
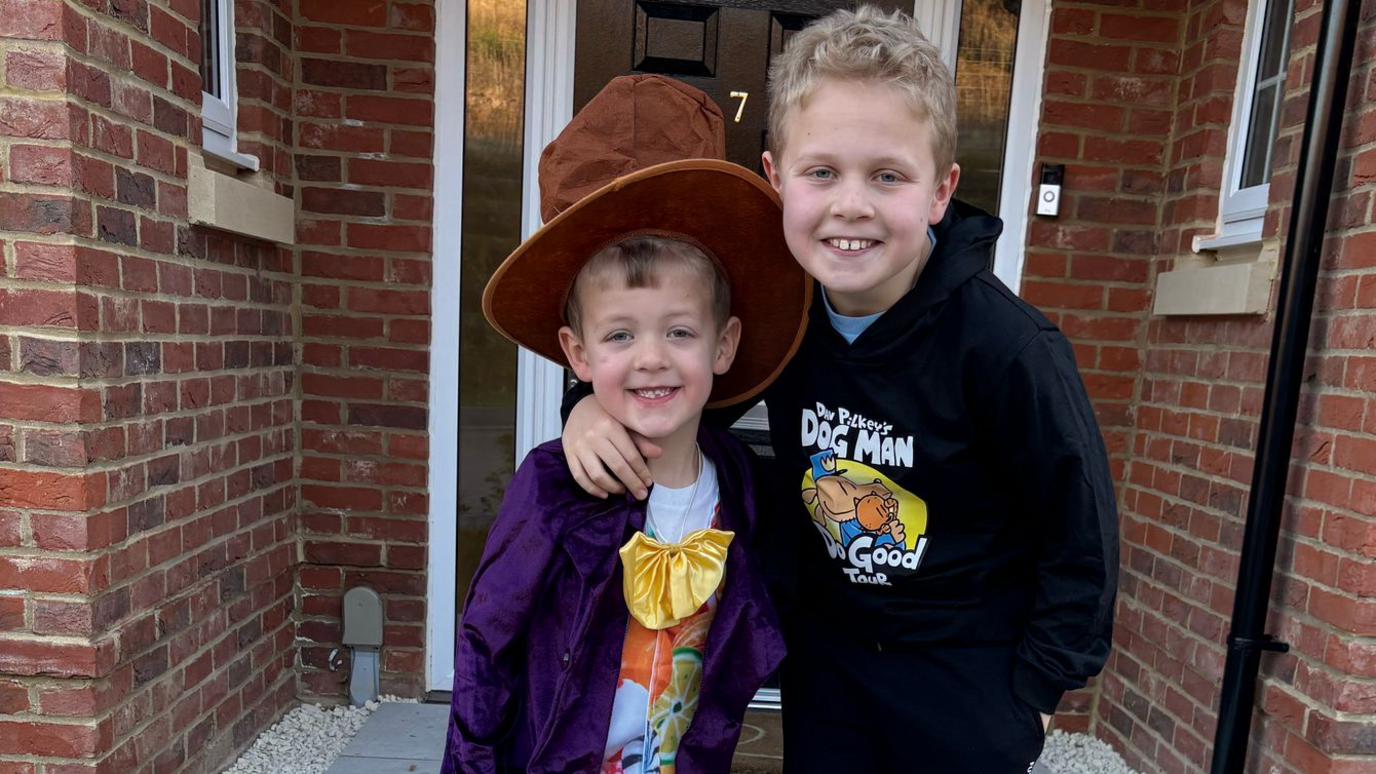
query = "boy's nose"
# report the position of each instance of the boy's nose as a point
(851, 203)
(649, 356)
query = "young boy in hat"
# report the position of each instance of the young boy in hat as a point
(618, 635)
(953, 525)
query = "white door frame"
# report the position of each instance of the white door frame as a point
(550, 37)
(451, 29)
(940, 21)
(1020, 140)
(549, 107)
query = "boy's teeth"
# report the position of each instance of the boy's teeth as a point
(851, 244)
(655, 393)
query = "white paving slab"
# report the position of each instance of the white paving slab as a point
(400, 735)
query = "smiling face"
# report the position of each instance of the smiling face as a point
(651, 351)
(859, 186)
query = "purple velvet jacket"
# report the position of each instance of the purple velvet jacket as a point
(539, 643)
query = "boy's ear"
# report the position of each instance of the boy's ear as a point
(575, 352)
(941, 197)
(770, 172)
(727, 343)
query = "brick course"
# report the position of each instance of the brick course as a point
(1105, 115)
(156, 486)
(364, 232)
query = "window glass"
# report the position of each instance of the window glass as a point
(492, 163)
(1275, 38)
(210, 47)
(1256, 160)
(1266, 94)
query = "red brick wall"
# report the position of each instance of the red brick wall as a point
(1106, 115)
(1188, 428)
(364, 106)
(146, 400)
(152, 447)
(187, 416)
(1182, 505)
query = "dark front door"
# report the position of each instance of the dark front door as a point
(723, 48)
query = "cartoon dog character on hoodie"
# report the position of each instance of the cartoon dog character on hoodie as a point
(857, 509)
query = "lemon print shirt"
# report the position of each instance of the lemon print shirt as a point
(661, 671)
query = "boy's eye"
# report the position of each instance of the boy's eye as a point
(680, 333)
(618, 336)
(820, 174)
(888, 178)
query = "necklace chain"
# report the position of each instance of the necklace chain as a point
(687, 510)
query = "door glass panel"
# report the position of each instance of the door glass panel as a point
(984, 82)
(493, 115)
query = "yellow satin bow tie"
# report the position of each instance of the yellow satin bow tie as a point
(665, 583)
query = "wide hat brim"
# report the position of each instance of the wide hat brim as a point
(722, 207)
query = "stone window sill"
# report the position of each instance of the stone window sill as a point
(1237, 280)
(228, 203)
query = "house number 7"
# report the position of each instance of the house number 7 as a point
(743, 96)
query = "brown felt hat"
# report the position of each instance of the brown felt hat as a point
(646, 156)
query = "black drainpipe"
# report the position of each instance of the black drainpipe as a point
(1247, 637)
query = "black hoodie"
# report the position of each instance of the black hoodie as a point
(965, 496)
(960, 415)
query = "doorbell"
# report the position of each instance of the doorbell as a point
(1049, 192)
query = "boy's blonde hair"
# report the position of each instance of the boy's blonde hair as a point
(866, 45)
(638, 262)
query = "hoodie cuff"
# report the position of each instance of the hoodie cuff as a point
(1033, 688)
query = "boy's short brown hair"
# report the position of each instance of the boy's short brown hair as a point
(866, 45)
(639, 261)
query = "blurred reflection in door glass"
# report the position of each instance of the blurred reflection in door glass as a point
(493, 113)
(984, 81)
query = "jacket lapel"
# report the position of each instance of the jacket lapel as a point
(593, 542)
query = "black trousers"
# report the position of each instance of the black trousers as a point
(850, 706)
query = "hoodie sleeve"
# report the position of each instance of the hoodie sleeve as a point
(1052, 445)
(493, 627)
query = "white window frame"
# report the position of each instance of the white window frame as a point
(219, 115)
(1242, 211)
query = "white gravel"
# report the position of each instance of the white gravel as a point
(306, 740)
(1081, 754)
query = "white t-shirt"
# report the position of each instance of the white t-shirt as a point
(669, 512)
